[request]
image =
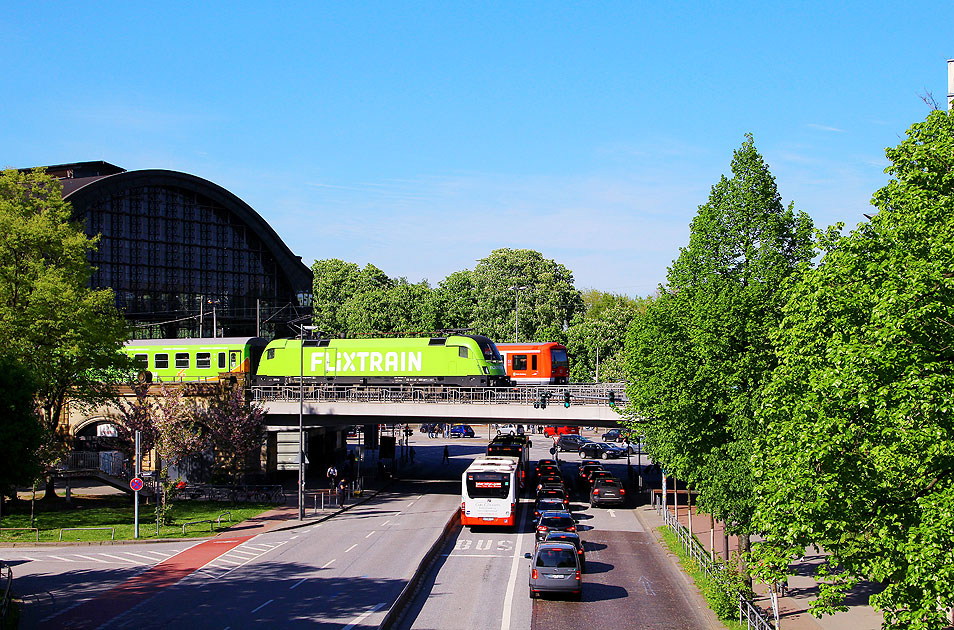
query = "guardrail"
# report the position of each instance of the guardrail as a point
(5, 602)
(210, 521)
(597, 394)
(749, 613)
(72, 529)
(113, 463)
(32, 529)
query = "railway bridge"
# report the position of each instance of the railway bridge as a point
(328, 405)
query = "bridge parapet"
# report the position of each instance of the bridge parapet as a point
(597, 394)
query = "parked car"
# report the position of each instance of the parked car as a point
(572, 538)
(461, 430)
(552, 431)
(601, 450)
(613, 435)
(607, 491)
(570, 442)
(554, 522)
(555, 568)
(510, 429)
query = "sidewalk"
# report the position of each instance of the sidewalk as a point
(803, 588)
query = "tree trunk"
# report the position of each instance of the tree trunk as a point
(745, 544)
(49, 491)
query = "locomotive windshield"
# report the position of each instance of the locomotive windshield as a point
(488, 349)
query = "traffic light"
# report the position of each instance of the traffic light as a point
(566, 399)
(543, 400)
(612, 399)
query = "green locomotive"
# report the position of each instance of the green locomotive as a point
(463, 360)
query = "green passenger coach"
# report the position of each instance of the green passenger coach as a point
(203, 359)
(464, 360)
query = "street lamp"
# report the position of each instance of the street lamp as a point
(301, 422)
(516, 318)
(214, 303)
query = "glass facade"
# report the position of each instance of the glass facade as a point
(179, 259)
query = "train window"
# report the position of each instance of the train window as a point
(182, 360)
(221, 360)
(558, 357)
(462, 352)
(519, 362)
(533, 362)
(233, 360)
(270, 354)
(141, 361)
(203, 360)
(161, 361)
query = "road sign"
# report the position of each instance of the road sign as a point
(135, 483)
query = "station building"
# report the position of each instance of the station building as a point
(184, 255)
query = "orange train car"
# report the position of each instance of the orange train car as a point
(536, 363)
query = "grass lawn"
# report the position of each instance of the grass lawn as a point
(116, 511)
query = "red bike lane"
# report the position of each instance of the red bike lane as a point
(114, 602)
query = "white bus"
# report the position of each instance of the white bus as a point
(490, 492)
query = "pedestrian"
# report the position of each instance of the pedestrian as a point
(446, 459)
(342, 490)
(412, 454)
(332, 476)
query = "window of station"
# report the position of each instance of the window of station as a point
(203, 360)
(161, 361)
(182, 360)
(519, 362)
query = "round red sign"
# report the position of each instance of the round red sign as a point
(135, 483)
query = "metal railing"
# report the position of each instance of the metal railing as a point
(35, 531)
(749, 614)
(8, 585)
(597, 394)
(235, 494)
(112, 463)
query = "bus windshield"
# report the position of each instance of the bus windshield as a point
(488, 485)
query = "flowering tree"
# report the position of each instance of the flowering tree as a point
(236, 428)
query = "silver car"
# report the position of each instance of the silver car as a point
(555, 568)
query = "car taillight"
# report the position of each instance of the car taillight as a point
(621, 491)
(513, 507)
(580, 551)
(578, 575)
(463, 506)
(596, 491)
(534, 574)
(542, 528)
(571, 529)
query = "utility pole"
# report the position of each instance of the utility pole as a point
(516, 319)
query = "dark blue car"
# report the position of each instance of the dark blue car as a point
(461, 430)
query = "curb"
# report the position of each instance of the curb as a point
(398, 608)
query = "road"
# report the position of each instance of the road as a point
(480, 580)
(347, 571)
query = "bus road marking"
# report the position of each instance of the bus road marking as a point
(514, 566)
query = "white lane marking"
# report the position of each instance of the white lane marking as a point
(508, 598)
(243, 553)
(129, 553)
(328, 564)
(120, 558)
(294, 537)
(157, 553)
(59, 558)
(89, 558)
(362, 616)
(612, 513)
(298, 583)
(385, 522)
(228, 561)
(371, 533)
(350, 548)
(263, 605)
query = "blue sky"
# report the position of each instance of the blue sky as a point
(420, 136)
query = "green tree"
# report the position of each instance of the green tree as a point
(454, 301)
(66, 334)
(236, 427)
(547, 305)
(856, 452)
(335, 281)
(598, 337)
(700, 356)
(20, 432)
